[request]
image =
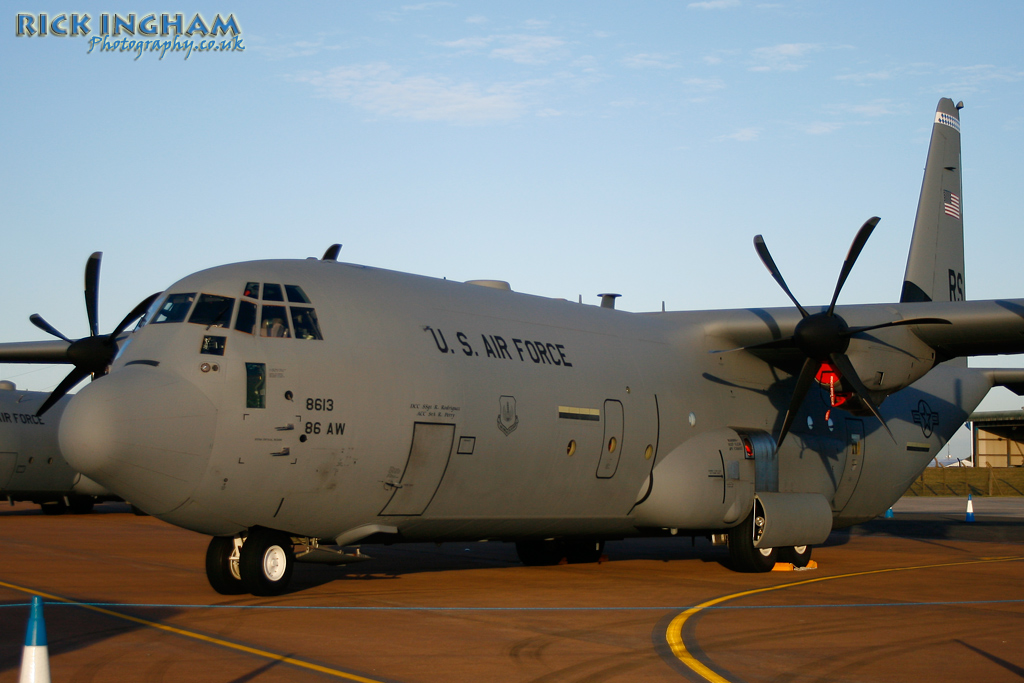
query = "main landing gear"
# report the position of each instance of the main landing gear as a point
(260, 564)
(746, 558)
(539, 553)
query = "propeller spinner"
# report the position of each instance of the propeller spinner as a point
(90, 355)
(824, 337)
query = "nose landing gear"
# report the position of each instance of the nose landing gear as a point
(260, 564)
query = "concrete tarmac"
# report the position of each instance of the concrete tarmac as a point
(924, 596)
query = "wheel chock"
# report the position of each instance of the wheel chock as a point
(790, 567)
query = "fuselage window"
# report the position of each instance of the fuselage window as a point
(305, 323)
(175, 308)
(246, 321)
(255, 385)
(213, 311)
(296, 295)
(252, 290)
(272, 292)
(274, 322)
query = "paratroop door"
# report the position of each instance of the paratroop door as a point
(428, 459)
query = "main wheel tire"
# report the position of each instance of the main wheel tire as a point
(80, 505)
(584, 551)
(540, 553)
(745, 557)
(266, 562)
(221, 570)
(798, 556)
(53, 507)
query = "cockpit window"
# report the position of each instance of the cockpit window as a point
(175, 308)
(213, 311)
(150, 312)
(275, 321)
(272, 292)
(305, 323)
(296, 295)
(246, 321)
(252, 290)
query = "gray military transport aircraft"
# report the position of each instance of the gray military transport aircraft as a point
(32, 467)
(292, 408)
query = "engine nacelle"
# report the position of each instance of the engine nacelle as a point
(705, 483)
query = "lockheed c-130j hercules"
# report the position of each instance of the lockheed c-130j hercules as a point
(291, 408)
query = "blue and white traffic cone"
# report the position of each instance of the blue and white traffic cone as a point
(889, 514)
(35, 658)
(970, 509)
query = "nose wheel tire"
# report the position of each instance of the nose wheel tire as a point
(266, 562)
(222, 566)
(744, 556)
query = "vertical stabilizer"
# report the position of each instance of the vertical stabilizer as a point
(935, 267)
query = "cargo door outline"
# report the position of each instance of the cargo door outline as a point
(611, 450)
(854, 465)
(429, 454)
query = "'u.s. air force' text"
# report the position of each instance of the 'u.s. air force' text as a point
(495, 346)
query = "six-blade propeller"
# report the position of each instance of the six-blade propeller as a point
(824, 337)
(90, 355)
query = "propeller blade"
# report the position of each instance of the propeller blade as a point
(92, 291)
(332, 253)
(136, 312)
(769, 263)
(66, 384)
(38, 321)
(897, 323)
(858, 244)
(803, 383)
(842, 363)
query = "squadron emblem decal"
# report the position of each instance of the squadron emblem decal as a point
(924, 417)
(508, 420)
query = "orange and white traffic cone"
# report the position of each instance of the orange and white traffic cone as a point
(35, 658)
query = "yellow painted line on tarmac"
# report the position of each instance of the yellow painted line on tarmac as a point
(198, 636)
(674, 633)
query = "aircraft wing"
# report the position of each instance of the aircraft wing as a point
(35, 352)
(979, 328)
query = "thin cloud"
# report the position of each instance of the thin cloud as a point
(714, 4)
(784, 57)
(704, 85)
(383, 90)
(518, 48)
(742, 135)
(822, 127)
(646, 60)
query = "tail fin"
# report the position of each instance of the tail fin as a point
(935, 267)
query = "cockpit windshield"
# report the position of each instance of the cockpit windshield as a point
(175, 308)
(277, 319)
(213, 311)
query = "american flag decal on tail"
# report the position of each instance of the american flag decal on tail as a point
(951, 204)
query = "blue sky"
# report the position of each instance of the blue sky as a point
(570, 148)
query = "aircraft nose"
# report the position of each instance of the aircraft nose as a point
(143, 433)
